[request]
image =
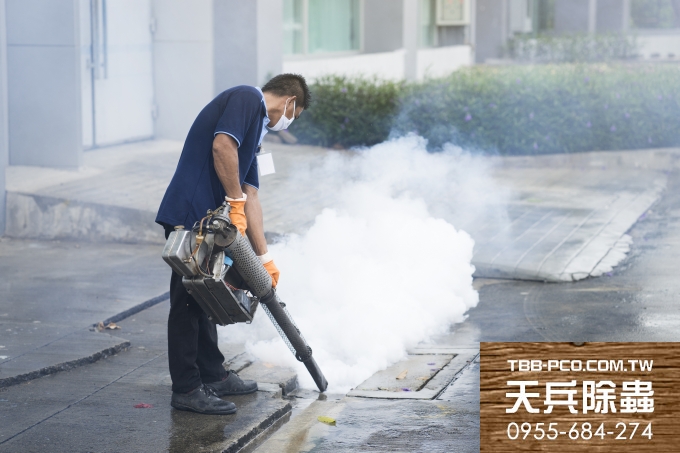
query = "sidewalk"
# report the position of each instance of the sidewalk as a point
(568, 213)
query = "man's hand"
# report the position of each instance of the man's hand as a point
(268, 263)
(237, 215)
(273, 272)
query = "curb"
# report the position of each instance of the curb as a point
(92, 358)
(256, 436)
(65, 366)
(136, 309)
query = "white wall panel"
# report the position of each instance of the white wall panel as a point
(386, 65)
(4, 153)
(442, 61)
(184, 85)
(183, 62)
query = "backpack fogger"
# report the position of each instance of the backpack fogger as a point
(219, 268)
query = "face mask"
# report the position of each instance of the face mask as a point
(283, 122)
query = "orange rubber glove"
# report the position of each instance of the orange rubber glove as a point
(273, 271)
(238, 214)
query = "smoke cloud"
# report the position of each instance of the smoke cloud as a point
(384, 266)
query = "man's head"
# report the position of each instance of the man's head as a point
(286, 93)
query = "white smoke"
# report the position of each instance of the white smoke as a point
(377, 272)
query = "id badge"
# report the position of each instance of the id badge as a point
(265, 163)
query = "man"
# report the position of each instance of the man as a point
(218, 163)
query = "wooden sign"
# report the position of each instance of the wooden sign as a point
(566, 397)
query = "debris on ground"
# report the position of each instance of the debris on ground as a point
(109, 326)
(326, 420)
(143, 406)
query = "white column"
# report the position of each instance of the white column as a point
(625, 20)
(269, 39)
(4, 153)
(184, 67)
(505, 21)
(248, 41)
(473, 29)
(592, 16)
(410, 38)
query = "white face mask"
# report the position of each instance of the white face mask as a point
(283, 122)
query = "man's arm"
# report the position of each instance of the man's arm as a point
(255, 229)
(225, 154)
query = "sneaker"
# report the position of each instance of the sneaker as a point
(202, 400)
(233, 385)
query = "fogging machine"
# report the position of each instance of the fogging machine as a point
(221, 271)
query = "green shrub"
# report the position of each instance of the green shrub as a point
(348, 112)
(547, 108)
(575, 48)
(506, 109)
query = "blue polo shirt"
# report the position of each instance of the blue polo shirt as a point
(239, 112)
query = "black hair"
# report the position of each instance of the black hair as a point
(290, 85)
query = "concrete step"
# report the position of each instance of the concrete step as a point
(46, 217)
(283, 379)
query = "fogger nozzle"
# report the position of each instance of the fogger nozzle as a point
(276, 310)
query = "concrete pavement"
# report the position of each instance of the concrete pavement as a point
(92, 408)
(570, 215)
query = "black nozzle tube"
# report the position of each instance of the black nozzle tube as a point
(273, 304)
(247, 264)
(317, 375)
(287, 327)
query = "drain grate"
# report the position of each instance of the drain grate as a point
(421, 376)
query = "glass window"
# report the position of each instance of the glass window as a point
(333, 25)
(321, 26)
(543, 15)
(292, 27)
(654, 14)
(427, 28)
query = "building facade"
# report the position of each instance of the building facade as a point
(81, 74)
